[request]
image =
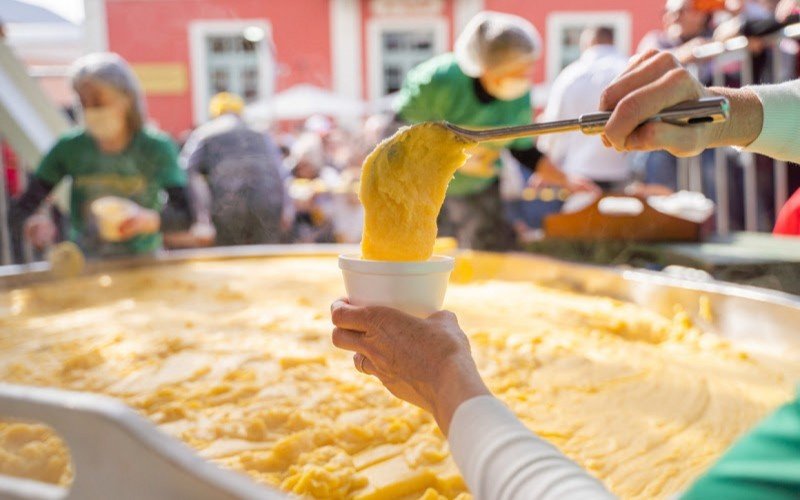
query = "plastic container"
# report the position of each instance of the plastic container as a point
(416, 288)
(110, 212)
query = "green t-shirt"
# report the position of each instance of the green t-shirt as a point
(763, 464)
(139, 173)
(438, 90)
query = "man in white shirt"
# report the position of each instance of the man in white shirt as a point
(577, 91)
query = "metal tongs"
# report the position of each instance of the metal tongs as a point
(706, 110)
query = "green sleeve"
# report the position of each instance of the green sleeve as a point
(421, 97)
(53, 166)
(763, 464)
(169, 173)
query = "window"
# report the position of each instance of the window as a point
(564, 31)
(233, 66)
(402, 50)
(230, 56)
(397, 45)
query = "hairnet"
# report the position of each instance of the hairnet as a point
(112, 70)
(225, 102)
(493, 38)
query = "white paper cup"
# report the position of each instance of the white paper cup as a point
(110, 212)
(415, 288)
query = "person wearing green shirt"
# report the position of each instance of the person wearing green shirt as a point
(113, 154)
(486, 82)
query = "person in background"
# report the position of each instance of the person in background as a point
(686, 26)
(310, 187)
(235, 179)
(576, 91)
(485, 83)
(427, 362)
(347, 214)
(113, 154)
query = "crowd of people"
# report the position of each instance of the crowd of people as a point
(231, 184)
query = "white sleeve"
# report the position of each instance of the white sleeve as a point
(780, 135)
(500, 459)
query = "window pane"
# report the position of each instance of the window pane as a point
(402, 51)
(232, 63)
(220, 80)
(216, 44)
(250, 84)
(248, 46)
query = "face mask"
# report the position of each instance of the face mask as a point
(104, 123)
(510, 89)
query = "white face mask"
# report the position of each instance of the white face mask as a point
(510, 89)
(104, 123)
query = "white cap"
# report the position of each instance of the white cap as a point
(494, 38)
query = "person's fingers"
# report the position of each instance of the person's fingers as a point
(637, 107)
(444, 317)
(680, 141)
(637, 60)
(647, 71)
(364, 365)
(347, 316)
(348, 340)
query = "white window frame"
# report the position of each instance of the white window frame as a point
(619, 20)
(375, 30)
(199, 31)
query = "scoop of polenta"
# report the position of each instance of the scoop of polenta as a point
(403, 184)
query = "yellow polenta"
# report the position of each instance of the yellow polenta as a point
(403, 184)
(234, 358)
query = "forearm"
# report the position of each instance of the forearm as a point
(200, 198)
(29, 201)
(775, 113)
(745, 122)
(501, 459)
(460, 381)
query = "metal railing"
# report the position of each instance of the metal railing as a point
(720, 57)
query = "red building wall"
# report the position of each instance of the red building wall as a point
(158, 31)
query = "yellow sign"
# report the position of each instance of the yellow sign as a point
(162, 78)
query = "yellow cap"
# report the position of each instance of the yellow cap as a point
(225, 102)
